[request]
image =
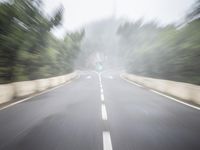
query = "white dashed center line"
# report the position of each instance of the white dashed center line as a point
(100, 79)
(89, 77)
(101, 88)
(107, 144)
(102, 97)
(104, 112)
(111, 77)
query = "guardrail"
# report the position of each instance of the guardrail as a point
(184, 91)
(21, 89)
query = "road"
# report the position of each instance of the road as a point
(99, 112)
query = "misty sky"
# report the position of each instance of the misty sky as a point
(81, 12)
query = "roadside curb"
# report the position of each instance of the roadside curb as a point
(28, 97)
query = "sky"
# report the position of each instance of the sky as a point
(79, 13)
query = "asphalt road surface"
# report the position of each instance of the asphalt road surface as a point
(100, 112)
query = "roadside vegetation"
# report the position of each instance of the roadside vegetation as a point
(148, 49)
(166, 52)
(28, 49)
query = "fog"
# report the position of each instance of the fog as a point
(99, 74)
(144, 47)
(157, 39)
(80, 13)
(100, 44)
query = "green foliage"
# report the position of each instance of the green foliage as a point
(27, 48)
(162, 52)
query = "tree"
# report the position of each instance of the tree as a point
(23, 32)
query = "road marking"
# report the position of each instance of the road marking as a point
(134, 83)
(100, 84)
(104, 112)
(107, 144)
(131, 81)
(89, 77)
(172, 98)
(101, 87)
(99, 75)
(35, 95)
(25, 99)
(111, 77)
(102, 97)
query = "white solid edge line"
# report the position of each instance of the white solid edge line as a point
(107, 144)
(35, 95)
(104, 112)
(101, 90)
(136, 84)
(131, 81)
(179, 101)
(172, 98)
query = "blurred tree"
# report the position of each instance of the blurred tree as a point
(26, 48)
(162, 52)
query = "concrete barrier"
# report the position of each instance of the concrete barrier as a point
(25, 88)
(42, 84)
(7, 92)
(185, 91)
(63, 79)
(54, 81)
